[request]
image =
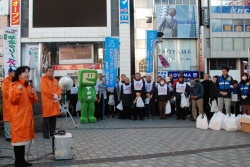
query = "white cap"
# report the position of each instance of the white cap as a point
(167, 79)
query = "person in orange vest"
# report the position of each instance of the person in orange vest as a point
(6, 110)
(51, 93)
(21, 98)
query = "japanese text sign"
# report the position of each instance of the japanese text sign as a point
(15, 13)
(111, 61)
(124, 12)
(151, 36)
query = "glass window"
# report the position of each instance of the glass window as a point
(247, 25)
(227, 43)
(164, 1)
(227, 25)
(186, 2)
(217, 43)
(142, 66)
(222, 63)
(247, 43)
(216, 25)
(238, 25)
(215, 6)
(178, 1)
(213, 64)
(157, 1)
(231, 64)
(238, 43)
(192, 2)
(171, 1)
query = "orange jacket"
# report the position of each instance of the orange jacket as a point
(6, 104)
(49, 87)
(21, 113)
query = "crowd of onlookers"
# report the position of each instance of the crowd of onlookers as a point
(156, 94)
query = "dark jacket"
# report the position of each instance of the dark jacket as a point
(163, 97)
(213, 92)
(152, 92)
(206, 85)
(126, 98)
(224, 89)
(142, 91)
(197, 90)
(178, 95)
(245, 101)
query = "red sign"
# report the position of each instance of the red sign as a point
(15, 13)
(77, 67)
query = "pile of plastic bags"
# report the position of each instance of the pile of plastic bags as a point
(219, 121)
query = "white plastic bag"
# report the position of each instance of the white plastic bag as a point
(78, 106)
(225, 122)
(120, 106)
(168, 108)
(111, 100)
(238, 123)
(184, 101)
(139, 102)
(231, 124)
(216, 121)
(202, 123)
(147, 100)
(214, 106)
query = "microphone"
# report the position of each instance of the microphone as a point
(31, 83)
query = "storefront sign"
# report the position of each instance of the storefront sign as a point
(111, 60)
(71, 73)
(187, 74)
(15, 13)
(10, 46)
(124, 12)
(151, 36)
(77, 66)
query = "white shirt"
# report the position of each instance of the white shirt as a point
(127, 89)
(180, 88)
(162, 90)
(138, 85)
(148, 86)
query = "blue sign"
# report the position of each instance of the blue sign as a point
(151, 36)
(230, 9)
(163, 74)
(188, 74)
(124, 12)
(238, 28)
(111, 61)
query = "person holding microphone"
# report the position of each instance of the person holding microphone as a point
(21, 98)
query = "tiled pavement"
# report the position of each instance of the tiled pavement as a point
(121, 143)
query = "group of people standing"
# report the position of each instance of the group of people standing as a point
(155, 96)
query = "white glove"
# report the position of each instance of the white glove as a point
(244, 96)
(55, 96)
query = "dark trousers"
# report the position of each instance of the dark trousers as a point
(150, 108)
(19, 152)
(181, 112)
(111, 110)
(49, 126)
(126, 113)
(137, 111)
(173, 109)
(97, 110)
(117, 111)
(162, 108)
(206, 108)
(156, 109)
(103, 105)
(73, 100)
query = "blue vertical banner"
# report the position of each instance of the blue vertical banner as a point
(111, 60)
(124, 12)
(151, 37)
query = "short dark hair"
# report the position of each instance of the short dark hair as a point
(49, 67)
(118, 77)
(225, 68)
(235, 82)
(138, 73)
(159, 76)
(216, 76)
(123, 75)
(18, 72)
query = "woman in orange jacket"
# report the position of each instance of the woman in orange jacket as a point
(21, 97)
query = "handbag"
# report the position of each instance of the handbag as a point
(111, 100)
(119, 106)
(168, 108)
(78, 106)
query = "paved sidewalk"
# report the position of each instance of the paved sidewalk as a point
(121, 143)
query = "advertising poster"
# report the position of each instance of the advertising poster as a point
(151, 36)
(231, 6)
(177, 55)
(15, 12)
(111, 60)
(124, 12)
(10, 46)
(177, 21)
